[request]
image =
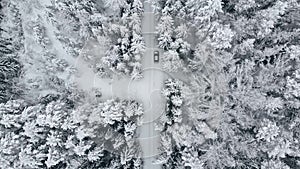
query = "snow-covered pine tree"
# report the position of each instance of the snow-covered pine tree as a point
(124, 55)
(11, 47)
(246, 82)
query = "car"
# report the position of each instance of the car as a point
(156, 56)
(97, 92)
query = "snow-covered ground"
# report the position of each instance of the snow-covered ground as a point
(33, 13)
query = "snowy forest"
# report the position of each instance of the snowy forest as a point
(240, 106)
(230, 99)
(46, 121)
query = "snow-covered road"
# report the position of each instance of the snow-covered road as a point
(152, 98)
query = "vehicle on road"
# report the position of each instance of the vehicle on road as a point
(156, 56)
(97, 92)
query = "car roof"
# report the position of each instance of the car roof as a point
(156, 51)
